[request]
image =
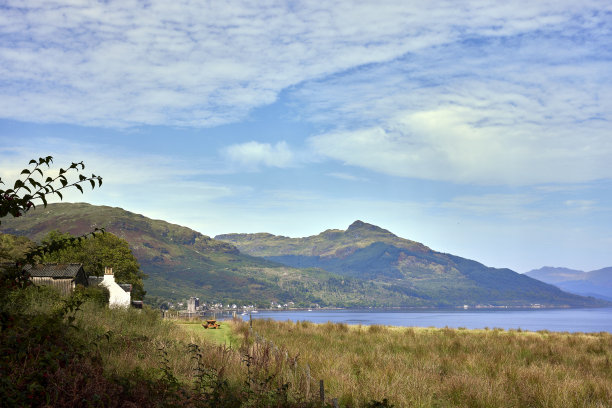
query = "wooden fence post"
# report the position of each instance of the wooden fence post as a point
(322, 391)
(335, 402)
(308, 379)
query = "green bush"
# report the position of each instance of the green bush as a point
(98, 295)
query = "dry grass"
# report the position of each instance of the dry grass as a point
(139, 344)
(137, 340)
(411, 367)
(450, 367)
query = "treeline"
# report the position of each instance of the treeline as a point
(94, 252)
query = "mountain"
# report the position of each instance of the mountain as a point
(364, 266)
(181, 262)
(369, 253)
(554, 275)
(597, 283)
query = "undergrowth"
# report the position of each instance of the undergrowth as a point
(73, 352)
(412, 367)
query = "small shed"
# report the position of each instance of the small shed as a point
(64, 277)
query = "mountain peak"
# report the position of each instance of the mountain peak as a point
(364, 226)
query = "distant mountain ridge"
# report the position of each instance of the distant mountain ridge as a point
(364, 266)
(182, 262)
(596, 283)
(330, 243)
(368, 252)
(554, 275)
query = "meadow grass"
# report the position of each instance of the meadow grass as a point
(135, 357)
(137, 340)
(74, 351)
(221, 336)
(410, 367)
(139, 344)
(427, 367)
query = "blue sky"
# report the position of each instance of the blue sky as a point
(478, 128)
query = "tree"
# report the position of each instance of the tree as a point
(35, 344)
(33, 188)
(97, 252)
(13, 247)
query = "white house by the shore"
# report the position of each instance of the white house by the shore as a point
(119, 297)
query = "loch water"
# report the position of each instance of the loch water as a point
(558, 320)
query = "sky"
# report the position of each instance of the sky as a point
(479, 128)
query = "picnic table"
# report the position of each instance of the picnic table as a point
(211, 324)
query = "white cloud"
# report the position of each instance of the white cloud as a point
(518, 206)
(347, 176)
(454, 144)
(581, 205)
(254, 154)
(530, 109)
(126, 63)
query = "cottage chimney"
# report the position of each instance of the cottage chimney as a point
(118, 296)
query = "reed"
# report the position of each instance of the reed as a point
(72, 351)
(414, 367)
(123, 357)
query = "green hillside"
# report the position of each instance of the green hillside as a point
(181, 262)
(364, 266)
(370, 253)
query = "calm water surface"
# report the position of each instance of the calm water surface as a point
(570, 320)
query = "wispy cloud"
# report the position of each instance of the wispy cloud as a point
(126, 63)
(347, 176)
(522, 206)
(153, 184)
(582, 205)
(254, 154)
(526, 107)
(185, 63)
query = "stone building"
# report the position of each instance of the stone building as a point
(193, 304)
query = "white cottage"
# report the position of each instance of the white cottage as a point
(119, 296)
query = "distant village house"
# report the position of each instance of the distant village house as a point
(193, 305)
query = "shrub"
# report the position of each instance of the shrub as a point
(98, 295)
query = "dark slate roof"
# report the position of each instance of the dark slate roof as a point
(126, 286)
(94, 280)
(54, 270)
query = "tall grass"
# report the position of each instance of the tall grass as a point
(451, 367)
(62, 353)
(72, 352)
(135, 341)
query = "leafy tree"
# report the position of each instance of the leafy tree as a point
(13, 248)
(35, 344)
(97, 252)
(33, 187)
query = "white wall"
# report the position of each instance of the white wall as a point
(118, 296)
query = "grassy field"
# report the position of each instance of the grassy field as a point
(63, 352)
(221, 336)
(414, 367)
(60, 353)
